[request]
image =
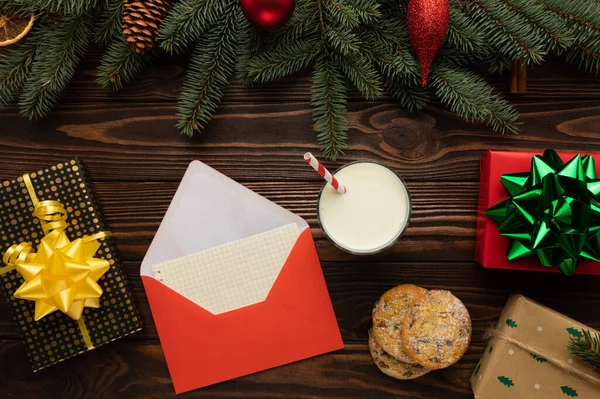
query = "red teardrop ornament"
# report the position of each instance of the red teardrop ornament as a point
(268, 14)
(428, 22)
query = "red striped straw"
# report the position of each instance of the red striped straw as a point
(316, 165)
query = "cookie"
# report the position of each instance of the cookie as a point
(436, 332)
(388, 314)
(391, 366)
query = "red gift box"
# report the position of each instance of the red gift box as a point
(491, 247)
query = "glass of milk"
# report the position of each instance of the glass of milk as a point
(373, 213)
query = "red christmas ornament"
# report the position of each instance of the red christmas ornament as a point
(268, 14)
(428, 22)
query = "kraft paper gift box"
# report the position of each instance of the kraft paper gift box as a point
(234, 284)
(74, 218)
(527, 357)
(490, 247)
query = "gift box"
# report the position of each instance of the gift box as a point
(491, 247)
(528, 357)
(66, 288)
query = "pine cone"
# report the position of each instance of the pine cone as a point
(141, 19)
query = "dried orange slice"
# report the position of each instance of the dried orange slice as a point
(13, 28)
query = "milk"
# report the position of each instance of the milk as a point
(371, 215)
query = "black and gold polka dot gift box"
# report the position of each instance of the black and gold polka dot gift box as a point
(66, 288)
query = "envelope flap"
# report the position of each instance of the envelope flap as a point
(210, 209)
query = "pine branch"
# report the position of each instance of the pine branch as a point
(463, 35)
(362, 73)
(329, 107)
(584, 18)
(587, 347)
(472, 99)
(283, 60)
(110, 25)
(53, 69)
(250, 46)
(187, 22)
(211, 67)
(509, 32)
(62, 7)
(558, 36)
(16, 63)
(120, 65)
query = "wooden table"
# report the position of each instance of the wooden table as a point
(136, 159)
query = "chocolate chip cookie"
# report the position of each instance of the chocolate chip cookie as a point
(436, 332)
(392, 366)
(388, 314)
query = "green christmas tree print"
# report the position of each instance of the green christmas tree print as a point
(506, 381)
(574, 332)
(569, 391)
(511, 323)
(491, 347)
(477, 370)
(538, 358)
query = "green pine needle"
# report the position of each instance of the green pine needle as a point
(120, 64)
(187, 21)
(329, 107)
(212, 65)
(110, 25)
(587, 347)
(472, 98)
(53, 68)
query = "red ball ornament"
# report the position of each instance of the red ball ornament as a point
(428, 22)
(268, 14)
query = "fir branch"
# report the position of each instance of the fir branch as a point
(463, 35)
(362, 73)
(187, 21)
(558, 36)
(62, 7)
(341, 13)
(342, 40)
(584, 18)
(587, 347)
(53, 69)
(211, 67)
(507, 30)
(409, 92)
(110, 25)
(120, 65)
(366, 10)
(283, 60)
(472, 98)
(16, 63)
(250, 46)
(329, 107)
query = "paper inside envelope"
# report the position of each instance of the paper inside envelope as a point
(233, 275)
(209, 209)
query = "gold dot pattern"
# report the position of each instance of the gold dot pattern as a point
(57, 337)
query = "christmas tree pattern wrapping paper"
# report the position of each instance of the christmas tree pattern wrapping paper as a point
(527, 357)
(67, 194)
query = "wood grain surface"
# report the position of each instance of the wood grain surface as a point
(136, 159)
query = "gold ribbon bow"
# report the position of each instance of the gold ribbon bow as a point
(63, 274)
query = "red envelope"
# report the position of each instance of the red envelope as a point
(294, 322)
(491, 247)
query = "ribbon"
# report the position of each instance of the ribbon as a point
(62, 274)
(553, 211)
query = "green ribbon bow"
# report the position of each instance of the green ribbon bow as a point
(553, 211)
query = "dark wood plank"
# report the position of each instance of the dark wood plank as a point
(443, 217)
(135, 370)
(354, 287)
(163, 81)
(265, 142)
